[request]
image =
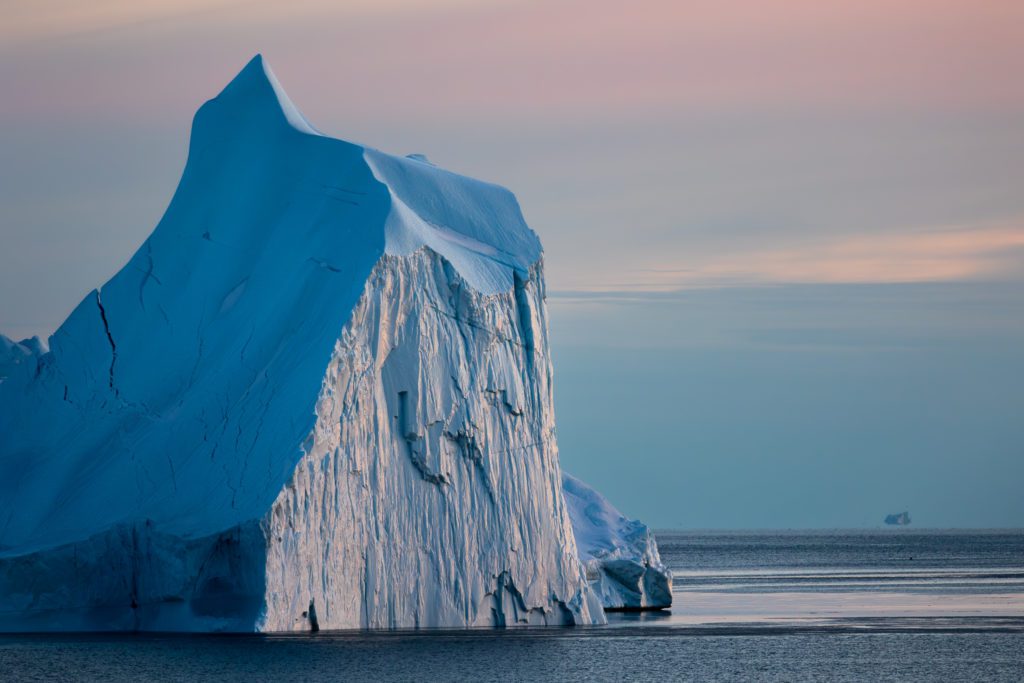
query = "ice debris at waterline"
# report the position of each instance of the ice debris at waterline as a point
(317, 397)
(620, 554)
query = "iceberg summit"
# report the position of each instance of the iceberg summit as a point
(319, 396)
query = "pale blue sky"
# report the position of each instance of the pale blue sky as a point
(784, 243)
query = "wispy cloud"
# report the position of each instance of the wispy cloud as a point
(949, 254)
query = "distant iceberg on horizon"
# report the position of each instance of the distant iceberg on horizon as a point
(319, 396)
(899, 519)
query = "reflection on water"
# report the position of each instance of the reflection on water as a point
(837, 606)
(836, 577)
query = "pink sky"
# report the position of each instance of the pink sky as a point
(561, 58)
(733, 141)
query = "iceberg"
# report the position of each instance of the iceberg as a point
(620, 555)
(898, 519)
(319, 396)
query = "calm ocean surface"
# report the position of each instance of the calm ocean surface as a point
(900, 605)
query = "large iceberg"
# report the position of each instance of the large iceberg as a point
(318, 396)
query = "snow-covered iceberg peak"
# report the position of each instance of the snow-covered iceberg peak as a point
(318, 396)
(477, 226)
(256, 89)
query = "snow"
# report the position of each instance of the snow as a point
(294, 117)
(322, 386)
(620, 554)
(476, 226)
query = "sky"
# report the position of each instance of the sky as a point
(784, 241)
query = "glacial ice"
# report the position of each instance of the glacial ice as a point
(620, 554)
(319, 396)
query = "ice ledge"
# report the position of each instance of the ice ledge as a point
(620, 555)
(475, 226)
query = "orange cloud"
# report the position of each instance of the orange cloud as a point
(952, 254)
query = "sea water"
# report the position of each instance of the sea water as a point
(881, 605)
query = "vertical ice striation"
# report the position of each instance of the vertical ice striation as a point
(430, 494)
(317, 397)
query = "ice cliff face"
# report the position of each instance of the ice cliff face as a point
(318, 396)
(620, 554)
(454, 390)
